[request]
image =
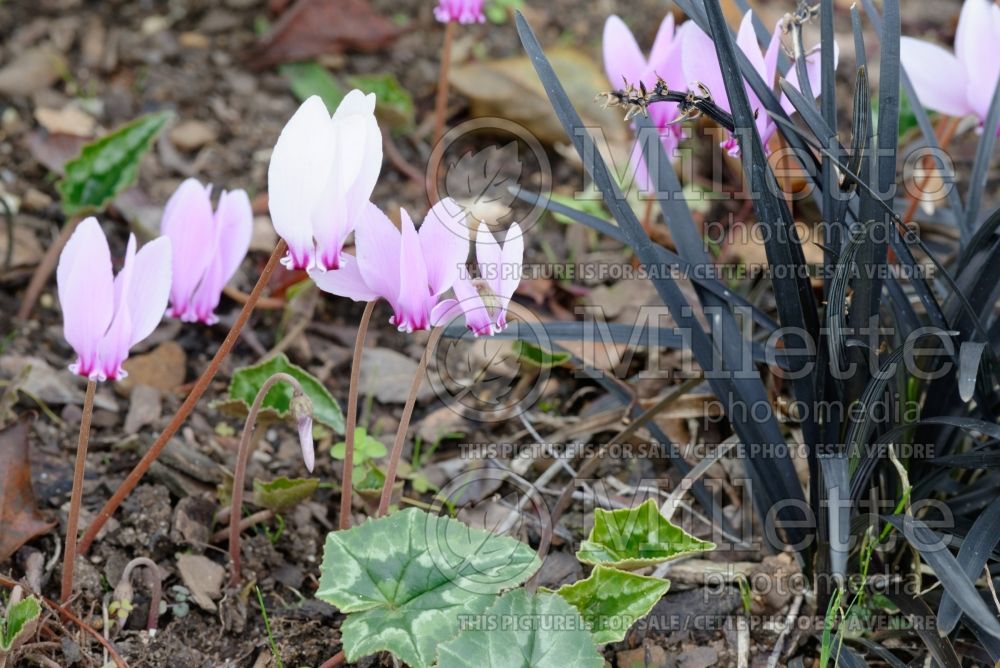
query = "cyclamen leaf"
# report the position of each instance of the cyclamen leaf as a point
(521, 630)
(247, 382)
(308, 78)
(631, 538)
(109, 165)
(611, 600)
(537, 356)
(22, 618)
(393, 103)
(283, 493)
(407, 580)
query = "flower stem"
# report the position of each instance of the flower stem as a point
(346, 490)
(240, 470)
(441, 103)
(69, 559)
(404, 422)
(189, 403)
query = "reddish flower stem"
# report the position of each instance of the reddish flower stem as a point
(135, 476)
(441, 102)
(404, 421)
(334, 661)
(155, 585)
(352, 418)
(240, 470)
(69, 559)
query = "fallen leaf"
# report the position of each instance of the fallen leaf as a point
(312, 28)
(32, 70)
(70, 120)
(162, 368)
(387, 374)
(20, 519)
(509, 88)
(203, 577)
(54, 151)
(27, 250)
(145, 407)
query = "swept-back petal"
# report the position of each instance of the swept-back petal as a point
(488, 257)
(938, 77)
(746, 39)
(477, 316)
(118, 338)
(412, 310)
(663, 46)
(346, 281)
(623, 60)
(296, 176)
(702, 65)
(377, 244)
(976, 48)
(149, 288)
(234, 222)
(444, 242)
(512, 260)
(86, 293)
(190, 225)
(814, 71)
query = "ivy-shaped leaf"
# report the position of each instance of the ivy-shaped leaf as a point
(20, 623)
(108, 165)
(631, 538)
(247, 382)
(522, 630)
(611, 600)
(283, 493)
(407, 580)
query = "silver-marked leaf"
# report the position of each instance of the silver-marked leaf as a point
(523, 630)
(17, 625)
(405, 581)
(635, 537)
(611, 600)
(485, 182)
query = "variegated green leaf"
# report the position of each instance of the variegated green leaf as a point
(523, 630)
(635, 537)
(407, 580)
(18, 623)
(611, 600)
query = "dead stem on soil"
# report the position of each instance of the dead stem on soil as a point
(135, 476)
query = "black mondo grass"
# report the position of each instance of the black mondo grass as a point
(940, 456)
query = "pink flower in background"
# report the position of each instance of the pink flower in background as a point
(702, 65)
(105, 315)
(207, 247)
(624, 62)
(321, 176)
(960, 83)
(462, 11)
(407, 268)
(484, 300)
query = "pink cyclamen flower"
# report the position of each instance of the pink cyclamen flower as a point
(322, 173)
(207, 247)
(410, 269)
(624, 62)
(960, 83)
(105, 315)
(461, 11)
(702, 65)
(484, 300)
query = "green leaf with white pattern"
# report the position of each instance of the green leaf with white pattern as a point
(611, 600)
(522, 630)
(17, 625)
(405, 581)
(631, 538)
(108, 165)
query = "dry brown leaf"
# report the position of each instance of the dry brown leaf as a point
(20, 519)
(312, 28)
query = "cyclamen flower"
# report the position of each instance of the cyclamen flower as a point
(105, 315)
(208, 248)
(321, 176)
(407, 268)
(702, 65)
(960, 83)
(462, 11)
(484, 300)
(624, 62)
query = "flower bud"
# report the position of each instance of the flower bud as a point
(302, 410)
